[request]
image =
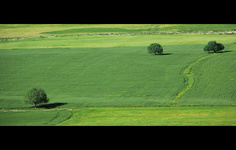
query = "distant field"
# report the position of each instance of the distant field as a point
(27, 30)
(30, 30)
(193, 27)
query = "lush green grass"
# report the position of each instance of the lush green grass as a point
(117, 71)
(92, 77)
(105, 75)
(153, 116)
(33, 117)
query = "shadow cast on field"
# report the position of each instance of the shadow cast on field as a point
(224, 51)
(53, 105)
(167, 54)
(219, 52)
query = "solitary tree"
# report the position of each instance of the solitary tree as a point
(155, 48)
(213, 46)
(35, 96)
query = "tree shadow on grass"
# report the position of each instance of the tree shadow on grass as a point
(167, 54)
(224, 51)
(219, 52)
(49, 106)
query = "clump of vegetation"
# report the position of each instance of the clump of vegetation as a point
(213, 46)
(155, 48)
(35, 96)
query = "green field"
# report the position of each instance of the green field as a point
(106, 72)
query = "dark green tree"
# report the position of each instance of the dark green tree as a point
(213, 46)
(155, 48)
(35, 96)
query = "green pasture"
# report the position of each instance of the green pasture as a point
(121, 73)
(112, 80)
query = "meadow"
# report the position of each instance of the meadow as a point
(111, 73)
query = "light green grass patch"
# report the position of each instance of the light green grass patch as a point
(153, 116)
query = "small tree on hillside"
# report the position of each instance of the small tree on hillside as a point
(35, 96)
(213, 46)
(155, 48)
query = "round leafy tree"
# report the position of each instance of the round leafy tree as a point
(155, 48)
(35, 96)
(213, 46)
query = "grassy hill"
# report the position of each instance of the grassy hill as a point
(113, 71)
